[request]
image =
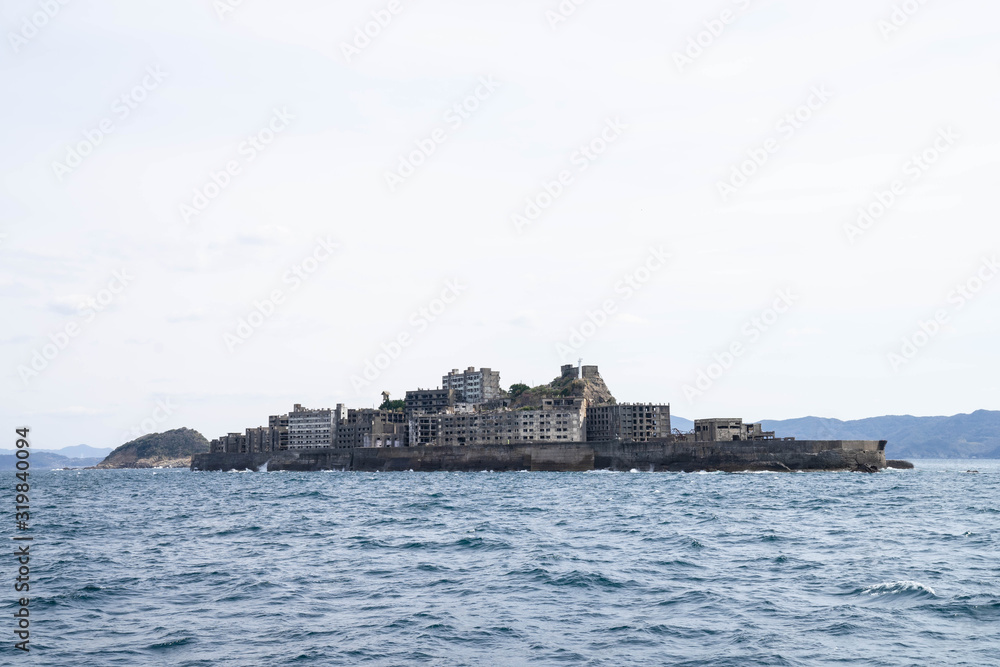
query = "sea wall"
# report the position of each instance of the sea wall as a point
(778, 455)
(302, 460)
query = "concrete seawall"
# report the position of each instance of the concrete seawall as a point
(777, 455)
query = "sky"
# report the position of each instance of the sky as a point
(212, 210)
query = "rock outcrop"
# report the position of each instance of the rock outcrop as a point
(591, 386)
(172, 449)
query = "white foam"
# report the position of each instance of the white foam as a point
(895, 587)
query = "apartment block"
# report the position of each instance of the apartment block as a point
(424, 428)
(558, 420)
(278, 427)
(472, 386)
(430, 400)
(232, 443)
(310, 429)
(369, 428)
(628, 422)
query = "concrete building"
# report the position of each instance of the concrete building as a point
(369, 428)
(310, 429)
(628, 422)
(472, 386)
(430, 401)
(424, 428)
(722, 430)
(258, 440)
(278, 427)
(231, 443)
(578, 371)
(569, 371)
(558, 420)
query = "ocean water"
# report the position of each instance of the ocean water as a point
(170, 567)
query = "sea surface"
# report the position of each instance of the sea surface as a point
(170, 567)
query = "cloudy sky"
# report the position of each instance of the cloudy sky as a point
(210, 211)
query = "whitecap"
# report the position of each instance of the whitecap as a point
(905, 587)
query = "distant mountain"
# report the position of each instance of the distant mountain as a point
(42, 460)
(74, 452)
(966, 436)
(681, 424)
(172, 449)
(80, 451)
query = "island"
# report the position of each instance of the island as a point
(572, 423)
(171, 449)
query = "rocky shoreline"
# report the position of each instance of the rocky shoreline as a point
(156, 462)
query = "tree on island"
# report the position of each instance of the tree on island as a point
(518, 389)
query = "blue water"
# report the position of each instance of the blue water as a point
(180, 568)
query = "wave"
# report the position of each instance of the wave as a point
(171, 644)
(906, 588)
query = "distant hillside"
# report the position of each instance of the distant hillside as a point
(681, 424)
(972, 436)
(81, 451)
(591, 387)
(172, 449)
(42, 460)
(74, 452)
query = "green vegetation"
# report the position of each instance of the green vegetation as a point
(518, 389)
(398, 405)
